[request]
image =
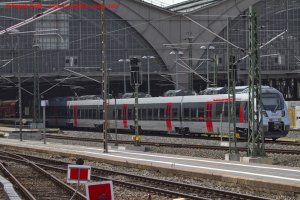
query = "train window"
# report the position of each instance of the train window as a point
(193, 114)
(144, 114)
(175, 114)
(201, 114)
(94, 114)
(161, 113)
(120, 114)
(149, 114)
(90, 113)
(186, 114)
(237, 110)
(79, 114)
(65, 113)
(101, 114)
(155, 114)
(86, 114)
(140, 114)
(130, 114)
(82, 113)
(71, 113)
(219, 113)
(225, 113)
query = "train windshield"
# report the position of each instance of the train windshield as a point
(272, 102)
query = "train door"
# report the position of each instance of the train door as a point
(125, 119)
(169, 117)
(297, 117)
(75, 115)
(209, 123)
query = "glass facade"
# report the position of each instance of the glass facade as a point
(280, 59)
(69, 38)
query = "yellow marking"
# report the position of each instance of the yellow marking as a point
(136, 138)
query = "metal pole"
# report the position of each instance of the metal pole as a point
(190, 64)
(44, 123)
(176, 70)
(215, 68)
(256, 136)
(124, 76)
(20, 95)
(207, 76)
(136, 122)
(148, 75)
(34, 89)
(116, 124)
(104, 78)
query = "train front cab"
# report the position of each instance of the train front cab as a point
(276, 121)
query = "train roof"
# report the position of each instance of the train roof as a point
(242, 94)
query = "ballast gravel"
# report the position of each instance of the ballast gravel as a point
(123, 193)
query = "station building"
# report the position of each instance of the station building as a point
(65, 46)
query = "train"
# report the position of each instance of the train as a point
(9, 110)
(188, 115)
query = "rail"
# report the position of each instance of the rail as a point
(154, 185)
(174, 145)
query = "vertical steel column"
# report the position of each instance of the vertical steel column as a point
(148, 57)
(116, 123)
(176, 69)
(255, 131)
(207, 73)
(190, 81)
(104, 77)
(232, 105)
(215, 70)
(36, 89)
(124, 77)
(136, 118)
(19, 92)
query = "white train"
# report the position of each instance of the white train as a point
(202, 114)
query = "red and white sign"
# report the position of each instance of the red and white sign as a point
(100, 191)
(81, 172)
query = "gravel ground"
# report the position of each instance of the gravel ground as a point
(123, 193)
(284, 160)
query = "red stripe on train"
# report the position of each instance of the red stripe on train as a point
(169, 116)
(222, 100)
(209, 124)
(242, 120)
(125, 121)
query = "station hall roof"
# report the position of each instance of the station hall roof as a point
(190, 5)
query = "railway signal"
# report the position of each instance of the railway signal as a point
(100, 190)
(104, 77)
(136, 81)
(79, 174)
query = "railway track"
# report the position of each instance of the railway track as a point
(150, 185)
(2, 193)
(173, 145)
(33, 182)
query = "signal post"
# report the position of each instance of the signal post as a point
(136, 81)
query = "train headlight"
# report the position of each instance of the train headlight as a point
(264, 113)
(282, 113)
